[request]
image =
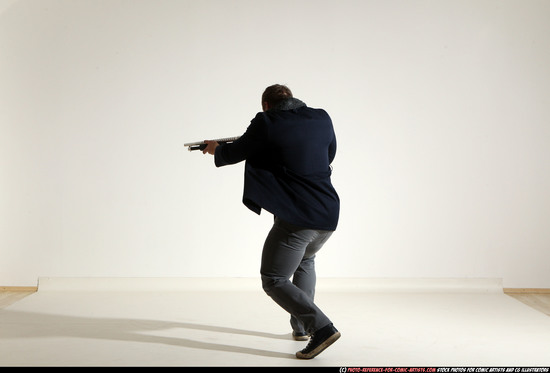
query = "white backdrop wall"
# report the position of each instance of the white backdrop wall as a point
(441, 108)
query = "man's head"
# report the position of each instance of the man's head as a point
(273, 95)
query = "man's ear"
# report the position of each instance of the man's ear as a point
(265, 106)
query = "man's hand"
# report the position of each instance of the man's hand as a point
(210, 147)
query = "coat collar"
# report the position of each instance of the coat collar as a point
(289, 104)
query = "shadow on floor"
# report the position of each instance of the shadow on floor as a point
(16, 324)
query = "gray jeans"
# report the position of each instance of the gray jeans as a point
(289, 251)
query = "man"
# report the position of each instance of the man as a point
(288, 149)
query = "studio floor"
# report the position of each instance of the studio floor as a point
(209, 322)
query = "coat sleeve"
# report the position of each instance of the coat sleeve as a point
(247, 145)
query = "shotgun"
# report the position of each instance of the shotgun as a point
(201, 145)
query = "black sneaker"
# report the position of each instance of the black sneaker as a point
(320, 340)
(300, 336)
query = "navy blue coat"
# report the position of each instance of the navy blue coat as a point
(287, 171)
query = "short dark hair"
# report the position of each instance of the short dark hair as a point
(276, 93)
